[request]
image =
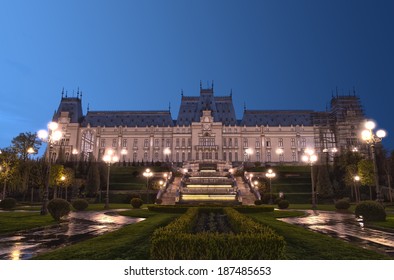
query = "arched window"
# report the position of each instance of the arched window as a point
(87, 144)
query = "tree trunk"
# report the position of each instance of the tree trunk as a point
(5, 185)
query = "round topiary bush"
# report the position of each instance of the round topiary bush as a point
(136, 203)
(342, 204)
(80, 204)
(159, 201)
(58, 208)
(8, 203)
(283, 204)
(370, 211)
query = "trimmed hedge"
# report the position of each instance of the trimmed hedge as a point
(136, 203)
(342, 204)
(80, 204)
(58, 208)
(183, 208)
(283, 204)
(8, 203)
(370, 211)
(251, 241)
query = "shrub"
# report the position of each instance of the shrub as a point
(136, 203)
(258, 202)
(342, 204)
(58, 208)
(80, 204)
(370, 211)
(283, 204)
(8, 203)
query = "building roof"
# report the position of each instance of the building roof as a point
(191, 108)
(128, 118)
(73, 106)
(277, 117)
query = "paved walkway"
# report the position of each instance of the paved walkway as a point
(347, 227)
(80, 226)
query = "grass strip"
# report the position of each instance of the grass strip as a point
(15, 221)
(303, 244)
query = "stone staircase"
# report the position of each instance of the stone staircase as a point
(168, 197)
(248, 198)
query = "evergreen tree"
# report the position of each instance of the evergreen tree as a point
(323, 184)
(93, 180)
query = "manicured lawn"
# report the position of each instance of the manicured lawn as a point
(15, 221)
(303, 244)
(323, 207)
(130, 242)
(388, 224)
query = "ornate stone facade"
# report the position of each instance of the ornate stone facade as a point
(207, 129)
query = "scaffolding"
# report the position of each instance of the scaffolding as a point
(338, 129)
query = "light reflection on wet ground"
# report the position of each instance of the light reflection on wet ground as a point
(80, 226)
(346, 226)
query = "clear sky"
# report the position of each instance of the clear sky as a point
(139, 55)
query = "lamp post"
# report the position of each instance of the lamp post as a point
(30, 151)
(356, 179)
(109, 158)
(270, 174)
(62, 179)
(310, 158)
(372, 139)
(50, 136)
(147, 174)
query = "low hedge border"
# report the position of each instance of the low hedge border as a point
(184, 208)
(251, 241)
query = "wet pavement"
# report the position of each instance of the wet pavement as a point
(80, 226)
(347, 227)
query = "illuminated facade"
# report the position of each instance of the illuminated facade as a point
(206, 129)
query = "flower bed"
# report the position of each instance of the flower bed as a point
(243, 239)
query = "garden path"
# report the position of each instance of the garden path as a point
(78, 227)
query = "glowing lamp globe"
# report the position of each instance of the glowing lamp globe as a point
(370, 125)
(381, 133)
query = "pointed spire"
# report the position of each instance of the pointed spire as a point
(244, 106)
(200, 85)
(231, 93)
(66, 93)
(88, 107)
(169, 107)
(336, 89)
(80, 96)
(62, 92)
(212, 84)
(354, 91)
(182, 92)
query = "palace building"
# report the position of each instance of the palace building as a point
(207, 129)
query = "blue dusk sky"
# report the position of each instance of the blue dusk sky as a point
(139, 55)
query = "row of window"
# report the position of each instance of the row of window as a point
(268, 142)
(202, 142)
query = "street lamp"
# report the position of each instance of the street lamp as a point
(147, 174)
(50, 136)
(109, 158)
(371, 139)
(62, 179)
(270, 174)
(356, 179)
(310, 158)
